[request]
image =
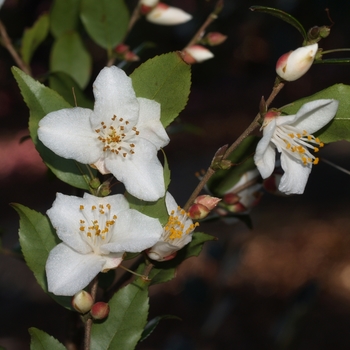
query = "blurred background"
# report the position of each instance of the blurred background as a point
(285, 284)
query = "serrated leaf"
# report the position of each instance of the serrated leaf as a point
(68, 88)
(165, 79)
(126, 320)
(69, 55)
(33, 37)
(339, 128)
(64, 16)
(152, 324)
(105, 21)
(284, 16)
(37, 237)
(242, 157)
(41, 100)
(39, 340)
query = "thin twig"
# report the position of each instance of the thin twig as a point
(8, 44)
(335, 166)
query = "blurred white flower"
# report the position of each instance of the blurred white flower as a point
(167, 15)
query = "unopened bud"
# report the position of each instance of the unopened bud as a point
(167, 15)
(316, 33)
(122, 49)
(82, 302)
(95, 183)
(99, 310)
(215, 38)
(294, 64)
(231, 198)
(208, 201)
(198, 211)
(196, 54)
(131, 57)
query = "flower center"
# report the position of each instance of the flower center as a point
(175, 229)
(297, 143)
(95, 229)
(116, 137)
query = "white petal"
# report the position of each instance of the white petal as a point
(134, 232)
(167, 15)
(114, 95)
(265, 154)
(161, 250)
(199, 53)
(295, 175)
(65, 218)
(117, 201)
(313, 116)
(170, 203)
(141, 173)
(112, 261)
(68, 133)
(68, 271)
(149, 123)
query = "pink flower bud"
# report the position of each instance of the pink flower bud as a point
(208, 201)
(131, 57)
(196, 54)
(122, 49)
(100, 310)
(231, 198)
(294, 64)
(198, 211)
(167, 15)
(82, 302)
(215, 38)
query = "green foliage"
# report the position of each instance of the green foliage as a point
(339, 128)
(43, 341)
(106, 21)
(167, 80)
(37, 238)
(33, 37)
(284, 16)
(64, 16)
(41, 100)
(152, 324)
(69, 55)
(242, 158)
(68, 88)
(126, 320)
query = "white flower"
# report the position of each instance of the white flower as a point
(176, 234)
(294, 64)
(167, 15)
(95, 233)
(292, 136)
(120, 136)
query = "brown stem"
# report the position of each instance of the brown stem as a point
(210, 172)
(8, 44)
(88, 323)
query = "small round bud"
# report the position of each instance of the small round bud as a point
(167, 15)
(215, 38)
(82, 302)
(99, 310)
(122, 49)
(95, 183)
(198, 211)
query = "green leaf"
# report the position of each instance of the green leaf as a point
(167, 80)
(69, 55)
(284, 16)
(64, 16)
(37, 238)
(126, 320)
(43, 341)
(339, 128)
(41, 100)
(165, 271)
(33, 37)
(242, 157)
(166, 172)
(106, 21)
(68, 88)
(152, 324)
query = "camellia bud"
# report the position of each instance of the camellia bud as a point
(294, 64)
(215, 38)
(208, 201)
(99, 310)
(167, 15)
(196, 54)
(82, 302)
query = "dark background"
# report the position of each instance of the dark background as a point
(283, 285)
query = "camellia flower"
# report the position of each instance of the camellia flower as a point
(292, 136)
(196, 54)
(95, 234)
(294, 64)
(120, 136)
(166, 15)
(176, 234)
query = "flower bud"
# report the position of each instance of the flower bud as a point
(82, 302)
(122, 49)
(99, 310)
(131, 57)
(148, 5)
(208, 201)
(294, 64)
(215, 38)
(196, 54)
(167, 15)
(198, 211)
(271, 184)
